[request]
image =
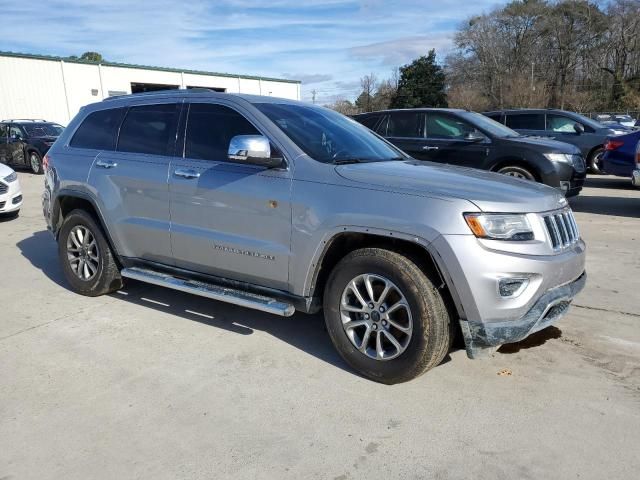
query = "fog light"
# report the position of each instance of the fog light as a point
(511, 287)
(564, 186)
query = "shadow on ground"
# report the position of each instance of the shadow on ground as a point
(617, 206)
(533, 340)
(305, 332)
(608, 181)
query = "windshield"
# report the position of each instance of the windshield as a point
(587, 121)
(489, 125)
(43, 129)
(327, 136)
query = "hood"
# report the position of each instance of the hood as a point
(545, 144)
(490, 192)
(5, 170)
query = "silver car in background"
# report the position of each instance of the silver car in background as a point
(282, 206)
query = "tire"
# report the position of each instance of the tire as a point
(34, 162)
(517, 171)
(594, 161)
(101, 275)
(429, 339)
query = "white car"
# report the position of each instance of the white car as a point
(10, 191)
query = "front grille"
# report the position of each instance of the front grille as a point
(3, 188)
(562, 229)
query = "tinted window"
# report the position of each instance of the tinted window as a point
(369, 121)
(494, 116)
(560, 123)
(445, 126)
(526, 121)
(488, 125)
(210, 128)
(16, 132)
(148, 129)
(405, 125)
(4, 130)
(44, 129)
(99, 130)
(327, 136)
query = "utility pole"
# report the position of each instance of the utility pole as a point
(313, 95)
(533, 88)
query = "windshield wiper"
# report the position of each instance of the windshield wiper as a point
(347, 161)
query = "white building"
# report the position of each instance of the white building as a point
(54, 88)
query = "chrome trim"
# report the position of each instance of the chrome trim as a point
(561, 228)
(214, 292)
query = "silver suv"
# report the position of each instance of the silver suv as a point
(281, 206)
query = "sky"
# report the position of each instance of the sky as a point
(327, 44)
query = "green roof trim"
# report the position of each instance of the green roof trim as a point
(141, 67)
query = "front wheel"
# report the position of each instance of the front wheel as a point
(35, 163)
(385, 317)
(87, 261)
(517, 171)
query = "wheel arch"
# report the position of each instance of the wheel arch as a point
(418, 250)
(68, 200)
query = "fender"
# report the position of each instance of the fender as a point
(428, 247)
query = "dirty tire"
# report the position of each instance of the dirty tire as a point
(518, 172)
(594, 160)
(107, 277)
(432, 327)
(35, 162)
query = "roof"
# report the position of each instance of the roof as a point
(140, 67)
(202, 92)
(417, 109)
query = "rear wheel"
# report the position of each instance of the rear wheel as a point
(35, 163)
(87, 260)
(595, 160)
(385, 317)
(517, 171)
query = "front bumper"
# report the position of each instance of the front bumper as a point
(473, 270)
(635, 178)
(11, 200)
(549, 308)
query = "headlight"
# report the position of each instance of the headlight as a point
(559, 157)
(499, 226)
(12, 177)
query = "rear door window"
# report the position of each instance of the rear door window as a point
(405, 125)
(526, 121)
(210, 128)
(149, 129)
(370, 121)
(99, 130)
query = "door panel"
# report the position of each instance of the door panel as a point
(228, 219)
(133, 184)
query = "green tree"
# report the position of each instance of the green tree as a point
(421, 84)
(92, 57)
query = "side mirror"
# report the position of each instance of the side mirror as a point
(252, 149)
(475, 137)
(579, 128)
(16, 136)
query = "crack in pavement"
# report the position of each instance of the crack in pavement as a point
(606, 310)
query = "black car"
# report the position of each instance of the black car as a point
(469, 139)
(24, 143)
(585, 133)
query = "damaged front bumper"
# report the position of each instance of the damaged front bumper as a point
(551, 307)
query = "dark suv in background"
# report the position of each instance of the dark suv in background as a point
(24, 143)
(585, 133)
(469, 139)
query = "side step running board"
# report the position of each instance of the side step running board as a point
(215, 292)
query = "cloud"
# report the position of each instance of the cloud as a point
(308, 78)
(402, 50)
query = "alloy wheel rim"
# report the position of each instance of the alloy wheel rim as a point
(376, 317)
(513, 173)
(35, 165)
(82, 253)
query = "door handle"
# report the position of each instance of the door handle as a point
(106, 164)
(186, 173)
(429, 147)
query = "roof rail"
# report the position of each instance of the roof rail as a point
(168, 91)
(39, 120)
